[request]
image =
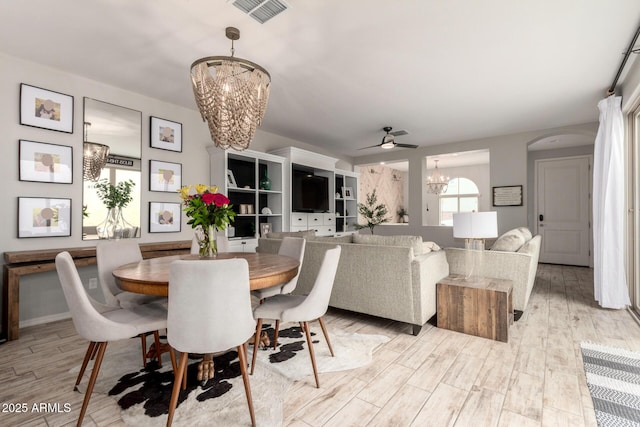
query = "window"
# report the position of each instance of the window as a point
(461, 196)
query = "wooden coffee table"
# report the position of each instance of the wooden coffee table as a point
(481, 307)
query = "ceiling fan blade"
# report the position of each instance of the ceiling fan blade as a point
(371, 146)
(405, 145)
(399, 132)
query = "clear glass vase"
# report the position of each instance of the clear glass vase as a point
(115, 226)
(207, 241)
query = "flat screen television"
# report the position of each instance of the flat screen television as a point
(310, 193)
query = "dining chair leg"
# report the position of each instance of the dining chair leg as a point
(242, 355)
(275, 334)
(172, 356)
(92, 381)
(307, 332)
(184, 379)
(156, 337)
(85, 361)
(256, 343)
(178, 376)
(94, 352)
(326, 335)
(143, 339)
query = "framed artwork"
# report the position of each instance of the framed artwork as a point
(165, 134)
(265, 228)
(231, 180)
(507, 195)
(43, 162)
(164, 217)
(165, 176)
(347, 192)
(44, 217)
(46, 109)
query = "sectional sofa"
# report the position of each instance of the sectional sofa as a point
(393, 277)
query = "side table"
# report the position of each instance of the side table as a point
(482, 306)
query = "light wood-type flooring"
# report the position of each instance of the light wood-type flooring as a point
(439, 378)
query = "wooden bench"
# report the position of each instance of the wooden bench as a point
(20, 263)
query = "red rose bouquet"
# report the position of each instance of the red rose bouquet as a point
(208, 209)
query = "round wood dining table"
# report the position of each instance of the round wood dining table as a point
(151, 276)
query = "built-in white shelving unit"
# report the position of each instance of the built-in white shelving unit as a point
(248, 198)
(341, 214)
(346, 205)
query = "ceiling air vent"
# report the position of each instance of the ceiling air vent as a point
(261, 10)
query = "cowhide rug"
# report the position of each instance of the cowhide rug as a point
(143, 394)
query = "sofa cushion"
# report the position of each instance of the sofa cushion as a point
(347, 238)
(512, 240)
(414, 242)
(283, 234)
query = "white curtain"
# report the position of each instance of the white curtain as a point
(610, 282)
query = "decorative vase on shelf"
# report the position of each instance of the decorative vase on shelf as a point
(206, 237)
(265, 182)
(115, 226)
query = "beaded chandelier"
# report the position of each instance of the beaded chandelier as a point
(437, 183)
(232, 95)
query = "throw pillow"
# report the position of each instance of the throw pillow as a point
(282, 234)
(414, 242)
(510, 241)
(429, 246)
(526, 233)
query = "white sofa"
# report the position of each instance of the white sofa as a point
(393, 277)
(513, 256)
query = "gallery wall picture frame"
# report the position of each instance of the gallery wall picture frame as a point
(165, 134)
(508, 195)
(46, 109)
(231, 179)
(347, 193)
(165, 176)
(44, 217)
(164, 217)
(265, 228)
(44, 162)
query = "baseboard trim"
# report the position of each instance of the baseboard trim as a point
(45, 319)
(634, 314)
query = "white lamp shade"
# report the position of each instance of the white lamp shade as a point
(475, 225)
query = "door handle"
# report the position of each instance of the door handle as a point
(541, 217)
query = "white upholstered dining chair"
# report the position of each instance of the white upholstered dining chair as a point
(111, 254)
(209, 312)
(300, 308)
(100, 328)
(292, 247)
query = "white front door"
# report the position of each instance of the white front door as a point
(563, 210)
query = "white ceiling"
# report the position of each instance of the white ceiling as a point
(341, 70)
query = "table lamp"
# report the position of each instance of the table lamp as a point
(475, 227)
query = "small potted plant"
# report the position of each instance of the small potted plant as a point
(374, 213)
(403, 215)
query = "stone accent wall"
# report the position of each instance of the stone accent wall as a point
(389, 185)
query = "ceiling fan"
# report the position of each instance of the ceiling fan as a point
(389, 140)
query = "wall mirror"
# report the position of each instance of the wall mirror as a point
(120, 129)
(468, 189)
